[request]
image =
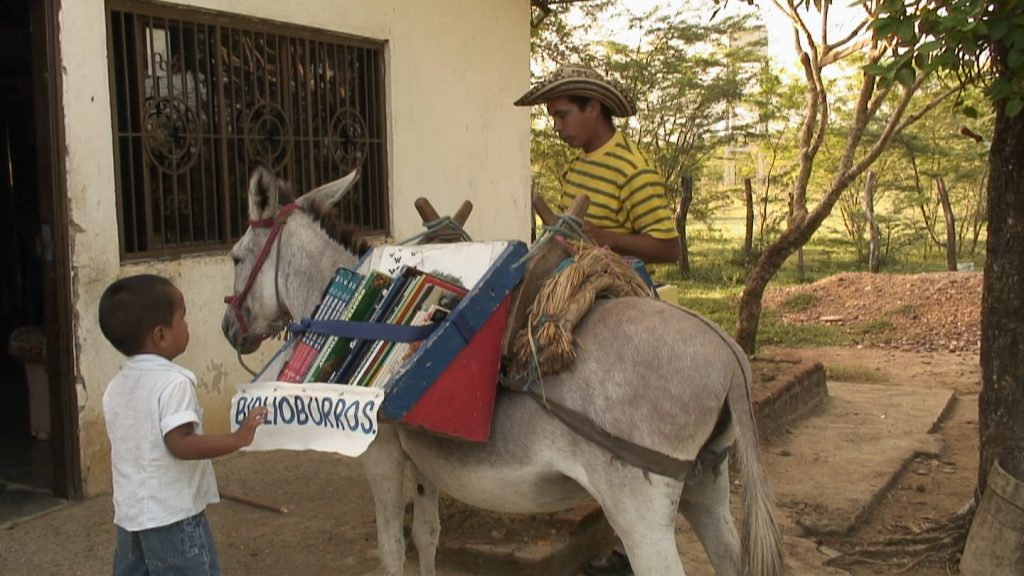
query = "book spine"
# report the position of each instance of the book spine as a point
(359, 374)
(307, 347)
(401, 313)
(335, 305)
(336, 347)
(338, 292)
(360, 348)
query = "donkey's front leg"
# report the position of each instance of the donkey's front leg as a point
(384, 464)
(426, 526)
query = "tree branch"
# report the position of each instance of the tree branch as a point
(860, 121)
(928, 107)
(831, 55)
(849, 37)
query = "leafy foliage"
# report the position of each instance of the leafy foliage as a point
(967, 38)
(907, 206)
(691, 77)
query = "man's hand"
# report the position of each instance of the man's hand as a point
(598, 235)
(642, 246)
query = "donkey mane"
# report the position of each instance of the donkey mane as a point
(329, 218)
(347, 235)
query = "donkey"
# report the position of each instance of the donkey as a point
(646, 371)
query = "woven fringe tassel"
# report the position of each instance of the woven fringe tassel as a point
(563, 300)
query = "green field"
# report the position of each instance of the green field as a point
(717, 275)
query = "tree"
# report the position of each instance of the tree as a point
(909, 213)
(985, 40)
(774, 105)
(690, 75)
(881, 110)
(936, 147)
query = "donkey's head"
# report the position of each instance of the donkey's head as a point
(263, 300)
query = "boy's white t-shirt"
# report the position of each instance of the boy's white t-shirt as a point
(148, 398)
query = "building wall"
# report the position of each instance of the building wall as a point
(453, 68)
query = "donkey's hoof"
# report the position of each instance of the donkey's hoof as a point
(614, 564)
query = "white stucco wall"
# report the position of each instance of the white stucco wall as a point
(453, 68)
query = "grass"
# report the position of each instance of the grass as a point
(717, 275)
(800, 302)
(773, 331)
(874, 327)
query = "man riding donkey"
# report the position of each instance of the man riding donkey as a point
(628, 212)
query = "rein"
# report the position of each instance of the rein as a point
(276, 224)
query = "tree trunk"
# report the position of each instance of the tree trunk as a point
(748, 238)
(947, 211)
(534, 191)
(874, 238)
(685, 200)
(1001, 402)
(766, 267)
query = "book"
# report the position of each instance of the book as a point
(336, 296)
(360, 347)
(336, 348)
(337, 302)
(400, 311)
(402, 351)
(434, 295)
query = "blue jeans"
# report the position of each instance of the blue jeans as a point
(183, 548)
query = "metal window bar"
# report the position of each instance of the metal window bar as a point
(200, 98)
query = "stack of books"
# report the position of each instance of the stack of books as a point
(333, 305)
(409, 297)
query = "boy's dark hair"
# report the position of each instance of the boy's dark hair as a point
(582, 101)
(132, 307)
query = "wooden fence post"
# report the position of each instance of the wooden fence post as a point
(748, 236)
(947, 211)
(685, 200)
(874, 242)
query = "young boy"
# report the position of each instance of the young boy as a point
(163, 478)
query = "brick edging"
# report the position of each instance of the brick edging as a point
(795, 393)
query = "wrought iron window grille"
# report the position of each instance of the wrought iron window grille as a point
(200, 98)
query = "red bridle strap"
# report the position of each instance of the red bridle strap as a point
(275, 223)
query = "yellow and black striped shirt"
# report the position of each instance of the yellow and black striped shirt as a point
(627, 194)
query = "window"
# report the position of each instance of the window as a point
(201, 98)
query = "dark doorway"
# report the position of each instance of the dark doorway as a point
(32, 437)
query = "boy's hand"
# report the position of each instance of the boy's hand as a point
(247, 430)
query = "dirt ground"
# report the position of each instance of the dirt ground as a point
(932, 489)
(329, 524)
(920, 330)
(929, 312)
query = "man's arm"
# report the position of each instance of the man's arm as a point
(642, 246)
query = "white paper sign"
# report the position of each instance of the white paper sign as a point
(325, 417)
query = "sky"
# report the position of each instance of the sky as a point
(780, 35)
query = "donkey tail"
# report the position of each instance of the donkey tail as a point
(759, 534)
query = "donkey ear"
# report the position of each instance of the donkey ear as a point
(316, 202)
(264, 194)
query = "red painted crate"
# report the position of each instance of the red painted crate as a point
(449, 385)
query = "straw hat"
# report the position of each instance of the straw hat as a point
(580, 81)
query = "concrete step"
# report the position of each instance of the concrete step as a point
(831, 468)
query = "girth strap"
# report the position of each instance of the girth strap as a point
(629, 452)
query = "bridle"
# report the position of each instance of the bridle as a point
(276, 224)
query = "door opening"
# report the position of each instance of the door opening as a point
(34, 445)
